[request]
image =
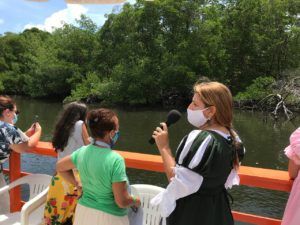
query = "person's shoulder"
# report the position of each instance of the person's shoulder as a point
(84, 148)
(77, 129)
(78, 125)
(218, 135)
(196, 138)
(79, 122)
(191, 135)
(4, 125)
(9, 129)
(194, 132)
(116, 156)
(199, 134)
(211, 138)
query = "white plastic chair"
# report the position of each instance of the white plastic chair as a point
(146, 193)
(33, 210)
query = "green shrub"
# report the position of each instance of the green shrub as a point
(92, 88)
(260, 88)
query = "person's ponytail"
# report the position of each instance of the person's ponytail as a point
(237, 146)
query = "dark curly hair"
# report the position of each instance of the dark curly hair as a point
(101, 121)
(72, 112)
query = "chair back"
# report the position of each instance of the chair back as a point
(33, 210)
(37, 183)
(146, 192)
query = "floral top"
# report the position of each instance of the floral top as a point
(9, 134)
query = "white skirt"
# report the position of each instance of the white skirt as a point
(90, 216)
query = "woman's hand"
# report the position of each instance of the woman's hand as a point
(78, 189)
(161, 137)
(137, 202)
(35, 137)
(37, 127)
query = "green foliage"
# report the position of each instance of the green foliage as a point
(148, 52)
(259, 89)
(258, 36)
(87, 88)
(1, 85)
(91, 88)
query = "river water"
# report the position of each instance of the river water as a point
(264, 141)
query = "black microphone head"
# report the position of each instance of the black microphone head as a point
(173, 116)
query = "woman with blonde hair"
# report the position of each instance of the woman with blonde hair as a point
(205, 163)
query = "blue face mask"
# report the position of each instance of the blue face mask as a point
(114, 139)
(15, 119)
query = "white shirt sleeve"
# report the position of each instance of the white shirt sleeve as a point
(184, 183)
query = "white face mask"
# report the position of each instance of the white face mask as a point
(196, 117)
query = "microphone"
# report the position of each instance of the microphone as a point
(173, 116)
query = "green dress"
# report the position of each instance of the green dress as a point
(210, 204)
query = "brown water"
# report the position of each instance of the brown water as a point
(264, 141)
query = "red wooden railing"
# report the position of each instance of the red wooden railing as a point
(250, 176)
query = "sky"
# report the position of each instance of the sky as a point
(17, 15)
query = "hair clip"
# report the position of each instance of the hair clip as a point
(96, 119)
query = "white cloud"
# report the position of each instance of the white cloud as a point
(1, 21)
(57, 19)
(98, 18)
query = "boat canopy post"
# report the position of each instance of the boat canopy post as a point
(14, 174)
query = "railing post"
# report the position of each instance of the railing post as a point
(14, 174)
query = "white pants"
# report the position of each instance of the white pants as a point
(90, 216)
(4, 198)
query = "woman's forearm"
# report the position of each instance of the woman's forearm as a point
(20, 148)
(122, 198)
(34, 139)
(29, 133)
(293, 169)
(168, 162)
(69, 177)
